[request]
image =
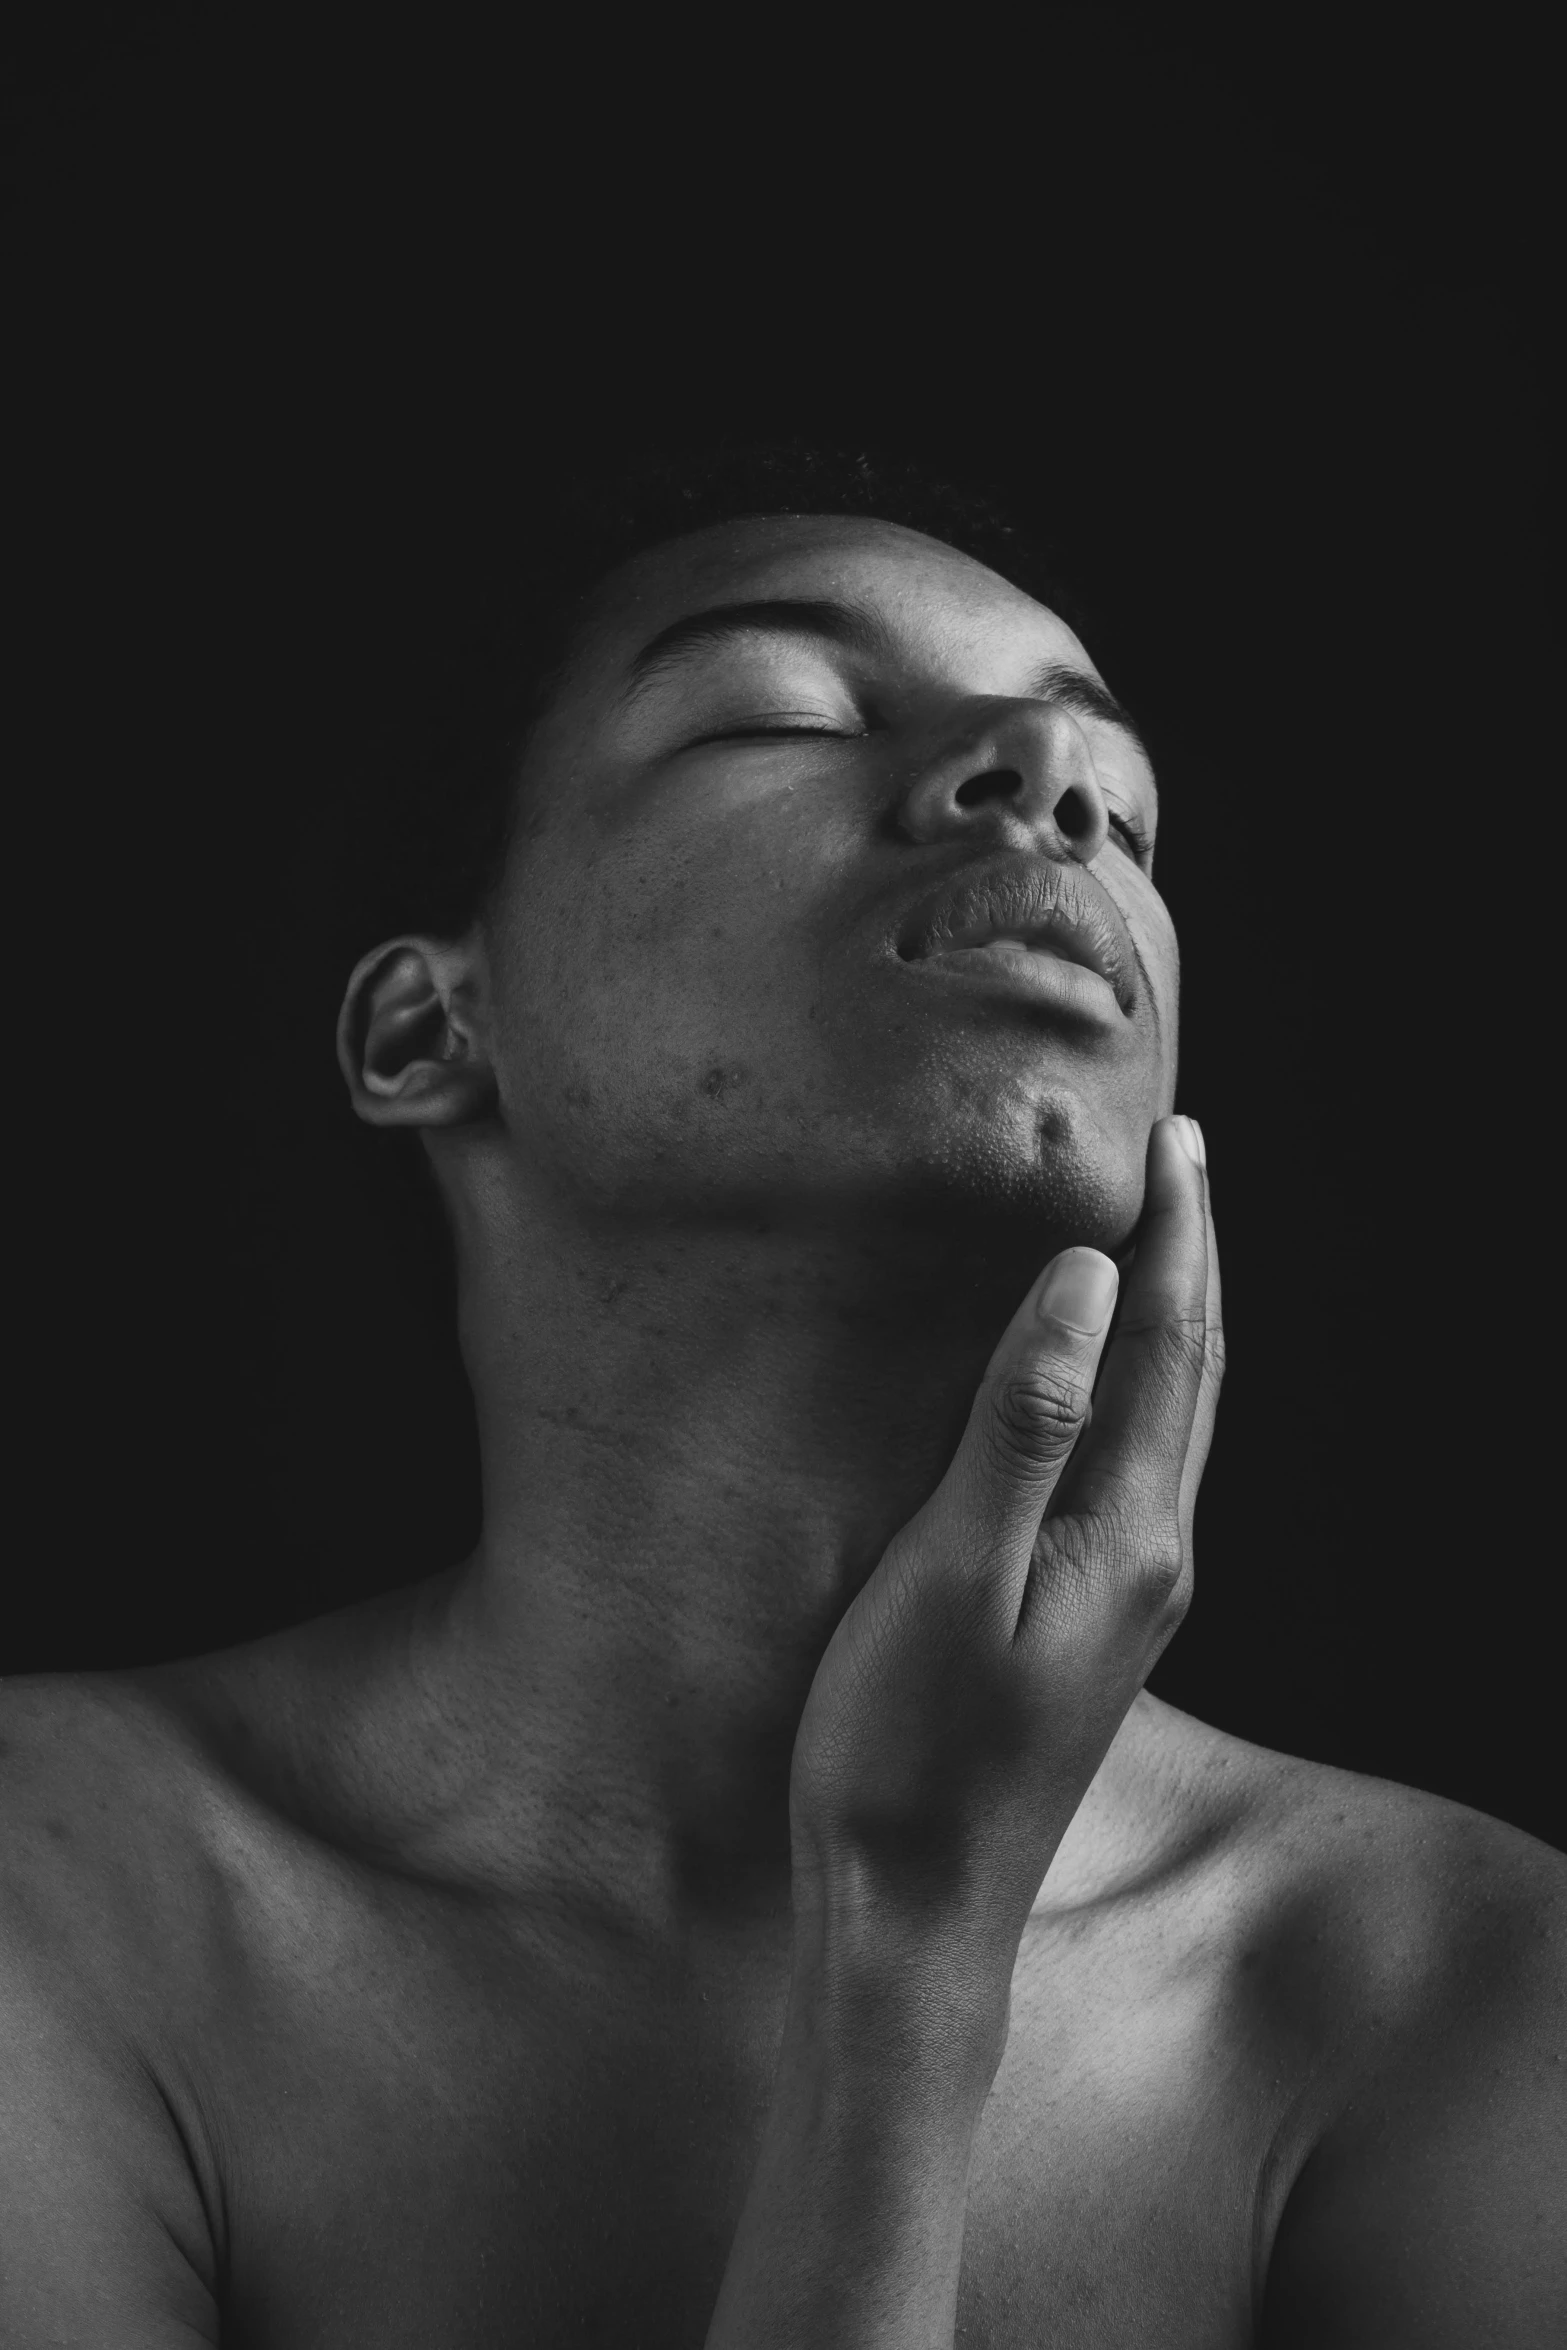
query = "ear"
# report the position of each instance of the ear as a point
(410, 1036)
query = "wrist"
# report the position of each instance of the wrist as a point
(917, 2018)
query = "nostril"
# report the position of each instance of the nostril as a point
(1073, 814)
(995, 783)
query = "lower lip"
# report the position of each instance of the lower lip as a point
(1032, 972)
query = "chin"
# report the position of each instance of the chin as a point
(1019, 1182)
(1057, 1154)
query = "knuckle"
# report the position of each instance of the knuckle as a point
(1038, 1411)
(1163, 1585)
(1164, 1582)
(1120, 1572)
(1154, 1556)
(1173, 1614)
(1149, 1556)
(1177, 1347)
(1184, 1339)
(1150, 1565)
(1158, 1569)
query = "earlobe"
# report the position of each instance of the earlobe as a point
(409, 1037)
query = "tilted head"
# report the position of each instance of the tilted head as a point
(784, 776)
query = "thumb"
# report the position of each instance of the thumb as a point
(1033, 1404)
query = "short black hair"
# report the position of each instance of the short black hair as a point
(444, 821)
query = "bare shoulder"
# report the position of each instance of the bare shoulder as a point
(156, 1823)
(106, 2209)
(1411, 1957)
(134, 1804)
(1375, 1911)
(160, 1837)
(112, 1807)
(1446, 1918)
(1386, 1894)
(101, 1788)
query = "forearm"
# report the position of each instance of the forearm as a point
(852, 2233)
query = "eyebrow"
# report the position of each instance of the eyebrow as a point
(850, 625)
(1074, 689)
(832, 623)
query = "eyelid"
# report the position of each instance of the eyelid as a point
(1135, 832)
(1137, 835)
(781, 722)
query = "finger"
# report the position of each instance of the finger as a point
(1212, 1369)
(1128, 1473)
(1032, 1406)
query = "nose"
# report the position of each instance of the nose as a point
(1014, 774)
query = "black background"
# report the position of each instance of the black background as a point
(1247, 311)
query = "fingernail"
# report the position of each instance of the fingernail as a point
(1079, 1292)
(1191, 1140)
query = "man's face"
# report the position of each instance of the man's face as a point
(710, 999)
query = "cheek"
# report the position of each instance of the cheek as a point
(645, 964)
(653, 1030)
(696, 896)
(1154, 934)
(1147, 917)
(1162, 955)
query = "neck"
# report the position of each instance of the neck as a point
(696, 1442)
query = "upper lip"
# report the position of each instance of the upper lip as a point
(1043, 903)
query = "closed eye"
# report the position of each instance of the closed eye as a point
(1136, 839)
(770, 731)
(776, 729)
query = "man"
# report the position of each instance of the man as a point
(752, 1900)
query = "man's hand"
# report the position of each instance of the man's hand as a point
(972, 1689)
(961, 1709)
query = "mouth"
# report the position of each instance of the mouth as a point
(1008, 966)
(1043, 929)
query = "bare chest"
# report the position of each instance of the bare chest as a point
(453, 2146)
